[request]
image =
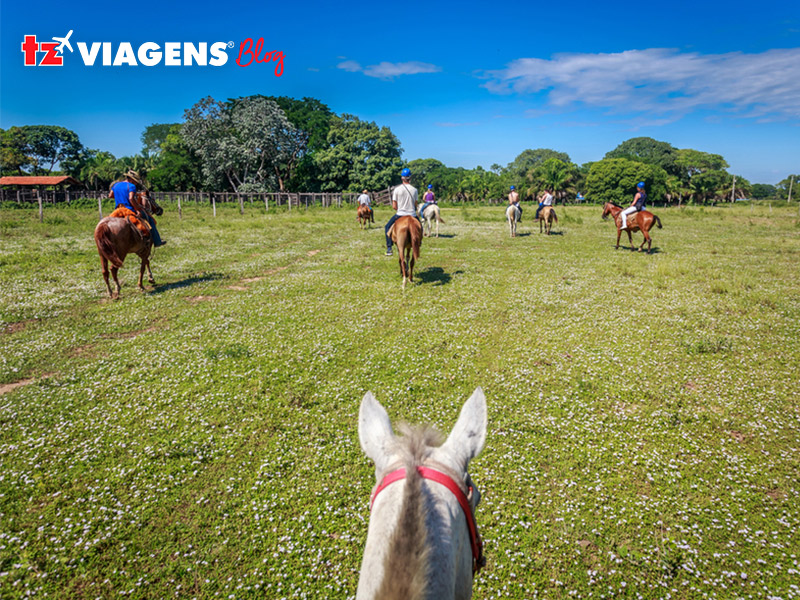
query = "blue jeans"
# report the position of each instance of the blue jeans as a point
(422, 209)
(153, 231)
(538, 210)
(386, 232)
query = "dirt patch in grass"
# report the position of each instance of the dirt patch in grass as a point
(7, 387)
(313, 252)
(738, 436)
(238, 288)
(195, 299)
(18, 326)
(251, 279)
(276, 270)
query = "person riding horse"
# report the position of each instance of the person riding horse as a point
(127, 207)
(636, 206)
(363, 200)
(428, 199)
(513, 200)
(404, 201)
(545, 199)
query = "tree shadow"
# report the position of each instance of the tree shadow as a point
(436, 276)
(183, 283)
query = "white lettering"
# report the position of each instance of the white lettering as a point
(219, 54)
(149, 54)
(89, 56)
(199, 55)
(106, 54)
(172, 54)
(125, 55)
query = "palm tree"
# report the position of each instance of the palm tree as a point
(554, 174)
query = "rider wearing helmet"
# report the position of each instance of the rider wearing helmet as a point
(429, 198)
(404, 201)
(636, 206)
(513, 200)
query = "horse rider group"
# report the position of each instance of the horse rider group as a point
(128, 207)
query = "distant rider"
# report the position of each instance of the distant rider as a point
(363, 200)
(404, 201)
(513, 200)
(637, 205)
(429, 198)
(546, 200)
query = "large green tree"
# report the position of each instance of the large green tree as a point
(37, 149)
(359, 154)
(615, 179)
(790, 183)
(99, 170)
(518, 169)
(553, 174)
(14, 155)
(648, 150)
(246, 142)
(764, 190)
(153, 136)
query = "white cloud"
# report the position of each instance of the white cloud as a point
(387, 70)
(661, 81)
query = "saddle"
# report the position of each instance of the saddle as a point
(141, 225)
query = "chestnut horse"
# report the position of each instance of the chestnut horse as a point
(117, 237)
(406, 233)
(546, 217)
(640, 221)
(365, 216)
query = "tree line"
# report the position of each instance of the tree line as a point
(261, 144)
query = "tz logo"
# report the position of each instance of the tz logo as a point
(53, 51)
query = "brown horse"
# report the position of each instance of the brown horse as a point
(640, 221)
(546, 217)
(365, 216)
(406, 233)
(117, 237)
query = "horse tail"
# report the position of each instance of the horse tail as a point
(416, 237)
(658, 221)
(102, 235)
(555, 217)
(439, 216)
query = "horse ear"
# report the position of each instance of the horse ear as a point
(469, 433)
(374, 431)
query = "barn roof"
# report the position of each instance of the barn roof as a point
(39, 180)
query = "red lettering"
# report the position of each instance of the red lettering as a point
(29, 48)
(252, 50)
(51, 59)
(249, 42)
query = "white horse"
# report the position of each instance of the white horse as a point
(513, 214)
(422, 541)
(430, 215)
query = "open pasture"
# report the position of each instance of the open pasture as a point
(199, 440)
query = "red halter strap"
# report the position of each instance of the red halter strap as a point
(427, 473)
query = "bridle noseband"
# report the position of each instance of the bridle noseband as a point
(478, 560)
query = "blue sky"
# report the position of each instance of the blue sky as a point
(468, 83)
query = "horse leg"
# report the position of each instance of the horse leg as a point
(114, 271)
(150, 278)
(104, 266)
(141, 274)
(630, 240)
(410, 262)
(619, 233)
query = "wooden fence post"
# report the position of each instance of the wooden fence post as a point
(180, 211)
(266, 202)
(241, 203)
(39, 198)
(214, 204)
(100, 206)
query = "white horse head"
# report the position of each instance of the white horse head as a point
(422, 540)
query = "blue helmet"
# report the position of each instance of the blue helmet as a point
(512, 187)
(640, 184)
(430, 187)
(405, 172)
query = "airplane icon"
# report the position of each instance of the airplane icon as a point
(62, 41)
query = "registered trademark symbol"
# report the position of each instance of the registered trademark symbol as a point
(230, 44)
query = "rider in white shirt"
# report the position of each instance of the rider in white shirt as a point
(404, 201)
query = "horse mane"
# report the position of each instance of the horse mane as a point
(615, 204)
(406, 565)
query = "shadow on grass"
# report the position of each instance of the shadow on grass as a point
(554, 233)
(183, 283)
(653, 250)
(526, 234)
(443, 235)
(436, 276)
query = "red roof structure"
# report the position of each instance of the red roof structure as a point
(39, 180)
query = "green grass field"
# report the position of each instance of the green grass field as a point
(199, 439)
